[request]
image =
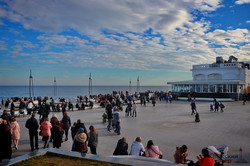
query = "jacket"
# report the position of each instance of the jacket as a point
(116, 117)
(15, 130)
(80, 143)
(45, 128)
(206, 161)
(66, 122)
(121, 148)
(92, 139)
(32, 125)
(153, 151)
(136, 148)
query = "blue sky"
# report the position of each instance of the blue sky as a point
(117, 41)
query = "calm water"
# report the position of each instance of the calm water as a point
(70, 92)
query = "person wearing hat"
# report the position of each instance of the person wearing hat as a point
(80, 141)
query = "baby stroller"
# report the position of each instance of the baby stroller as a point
(219, 154)
(104, 118)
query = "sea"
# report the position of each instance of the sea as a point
(71, 92)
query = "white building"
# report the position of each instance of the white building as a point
(221, 79)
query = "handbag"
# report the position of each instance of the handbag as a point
(142, 153)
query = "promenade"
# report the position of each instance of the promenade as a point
(168, 125)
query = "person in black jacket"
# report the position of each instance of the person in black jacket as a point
(32, 125)
(12, 109)
(79, 124)
(6, 116)
(193, 107)
(5, 141)
(66, 124)
(121, 147)
(110, 115)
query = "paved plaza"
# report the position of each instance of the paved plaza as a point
(168, 125)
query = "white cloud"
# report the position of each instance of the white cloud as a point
(248, 21)
(131, 48)
(240, 2)
(91, 16)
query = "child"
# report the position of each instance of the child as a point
(197, 117)
(221, 106)
(211, 107)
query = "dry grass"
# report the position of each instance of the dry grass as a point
(52, 159)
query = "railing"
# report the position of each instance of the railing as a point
(220, 65)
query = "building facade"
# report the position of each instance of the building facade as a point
(222, 77)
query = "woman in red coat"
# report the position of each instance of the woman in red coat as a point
(205, 159)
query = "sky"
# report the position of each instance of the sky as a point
(118, 41)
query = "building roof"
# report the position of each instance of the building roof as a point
(209, 82)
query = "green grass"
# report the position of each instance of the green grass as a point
(52, 159)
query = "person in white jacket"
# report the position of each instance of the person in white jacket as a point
(137, 147)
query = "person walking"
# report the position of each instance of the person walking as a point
(117, 120)
(66, 124)
(110, 115)
(79, 124)
(129, 108)
(56, 134)
(5, 141)
(193, 107)
(53, 121)
(46, 131)
(137, 148)
(216, 106)
(221, 107)
(244, 98)
(134, 107)
(121, 147)
(12, 109)
(152, 150)
(80, 141)
(15, 132)
(153, 101)
(92, 139)
(30, 107)
(32, 125)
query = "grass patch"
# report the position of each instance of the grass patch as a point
(52, 159)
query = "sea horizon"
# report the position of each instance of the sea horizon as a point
(72, 91)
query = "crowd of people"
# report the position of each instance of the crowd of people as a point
(54, 130)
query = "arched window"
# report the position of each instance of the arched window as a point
(199, 77)
(214, 76)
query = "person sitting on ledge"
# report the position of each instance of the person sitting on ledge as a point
(121, 147)
(205, 159)
(137, 147)
(152, 150)
(181, 154)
